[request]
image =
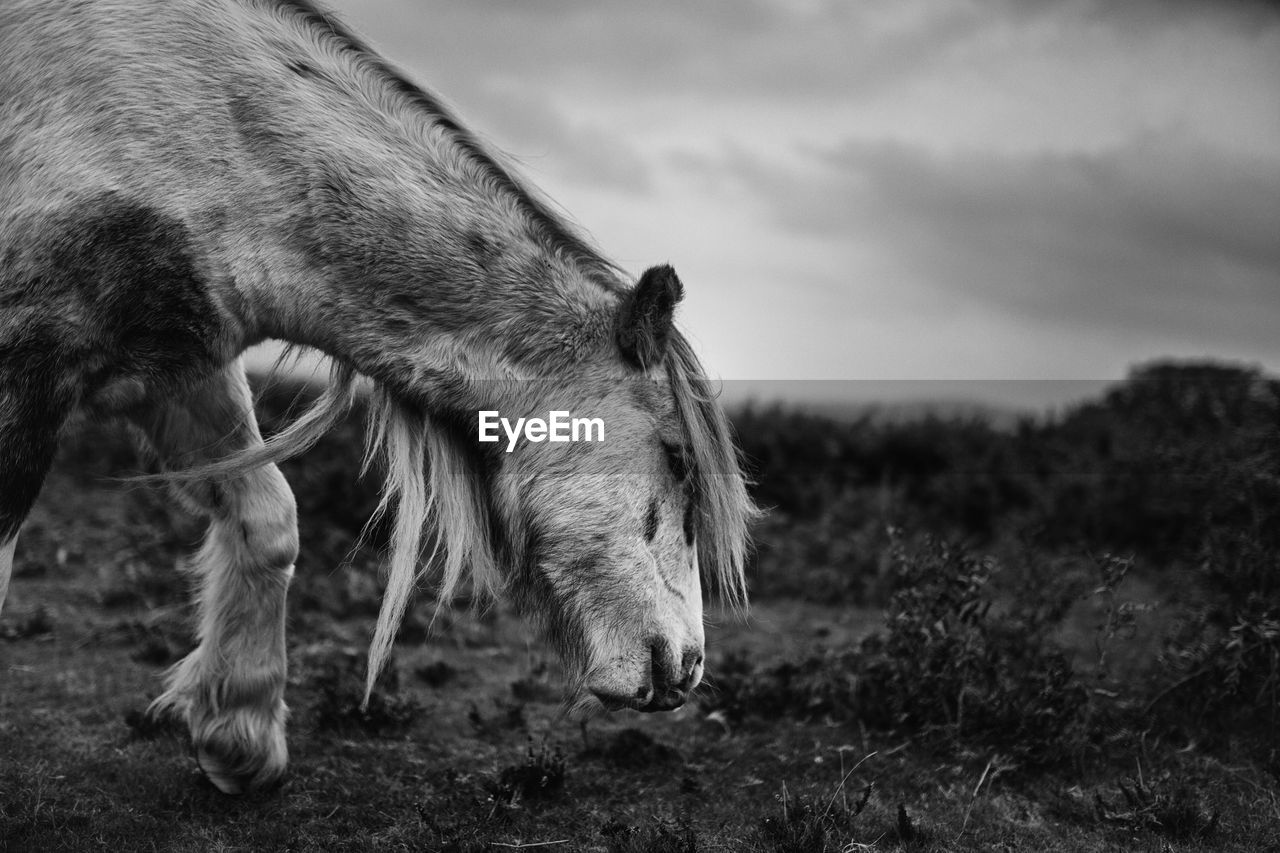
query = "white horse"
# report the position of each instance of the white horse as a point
(180, 179)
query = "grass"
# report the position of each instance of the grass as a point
(76, 776)
(974, 716)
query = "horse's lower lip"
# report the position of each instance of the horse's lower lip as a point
(669, 702)
(615, 702)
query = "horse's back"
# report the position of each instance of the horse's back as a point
(117, 95)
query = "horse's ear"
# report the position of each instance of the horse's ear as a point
(646, 314)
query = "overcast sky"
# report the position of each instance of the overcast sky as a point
(897, 189)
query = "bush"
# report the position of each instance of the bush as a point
(1164, 807)
(947, 662)
(339, 706)
(1225, 683)
(539, 777)
(947, 665)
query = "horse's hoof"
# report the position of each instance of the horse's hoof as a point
(229, 776)
(241, 754)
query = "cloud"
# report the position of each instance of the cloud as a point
(939, 187)
(740, 48)
(745, 48)
(1160, 234)
(577, 151)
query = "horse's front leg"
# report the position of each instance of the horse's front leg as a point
(231, 688)
(32, 411)
(7, 546)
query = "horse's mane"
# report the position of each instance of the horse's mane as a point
(552, 227)
(725, 511)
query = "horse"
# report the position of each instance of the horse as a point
(182, 179)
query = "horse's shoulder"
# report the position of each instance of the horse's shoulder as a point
(110, 274)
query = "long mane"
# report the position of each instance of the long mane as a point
(431, 486)
(334, 36)
(725, 510)
(435, 495)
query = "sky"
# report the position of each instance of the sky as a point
(897, 189)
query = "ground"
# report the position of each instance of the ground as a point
(466, 747)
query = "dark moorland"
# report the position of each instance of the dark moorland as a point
(1059, 636)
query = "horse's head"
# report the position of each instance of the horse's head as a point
(612, 528)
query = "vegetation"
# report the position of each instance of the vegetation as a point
(1079, 649)
(1177, 469)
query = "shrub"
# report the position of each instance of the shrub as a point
(338, 708)
(539, 777)
(1226, 682)
(1164, 807)
(947, 665)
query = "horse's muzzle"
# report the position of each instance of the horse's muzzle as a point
(668, 685)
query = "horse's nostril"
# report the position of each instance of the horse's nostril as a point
(672, 681)
(690, 661)
(689, 664)
(659, 670)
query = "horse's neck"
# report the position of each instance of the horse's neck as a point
(402, 261)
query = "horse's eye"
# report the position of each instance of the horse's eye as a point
(651, 522)
(677, 461)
